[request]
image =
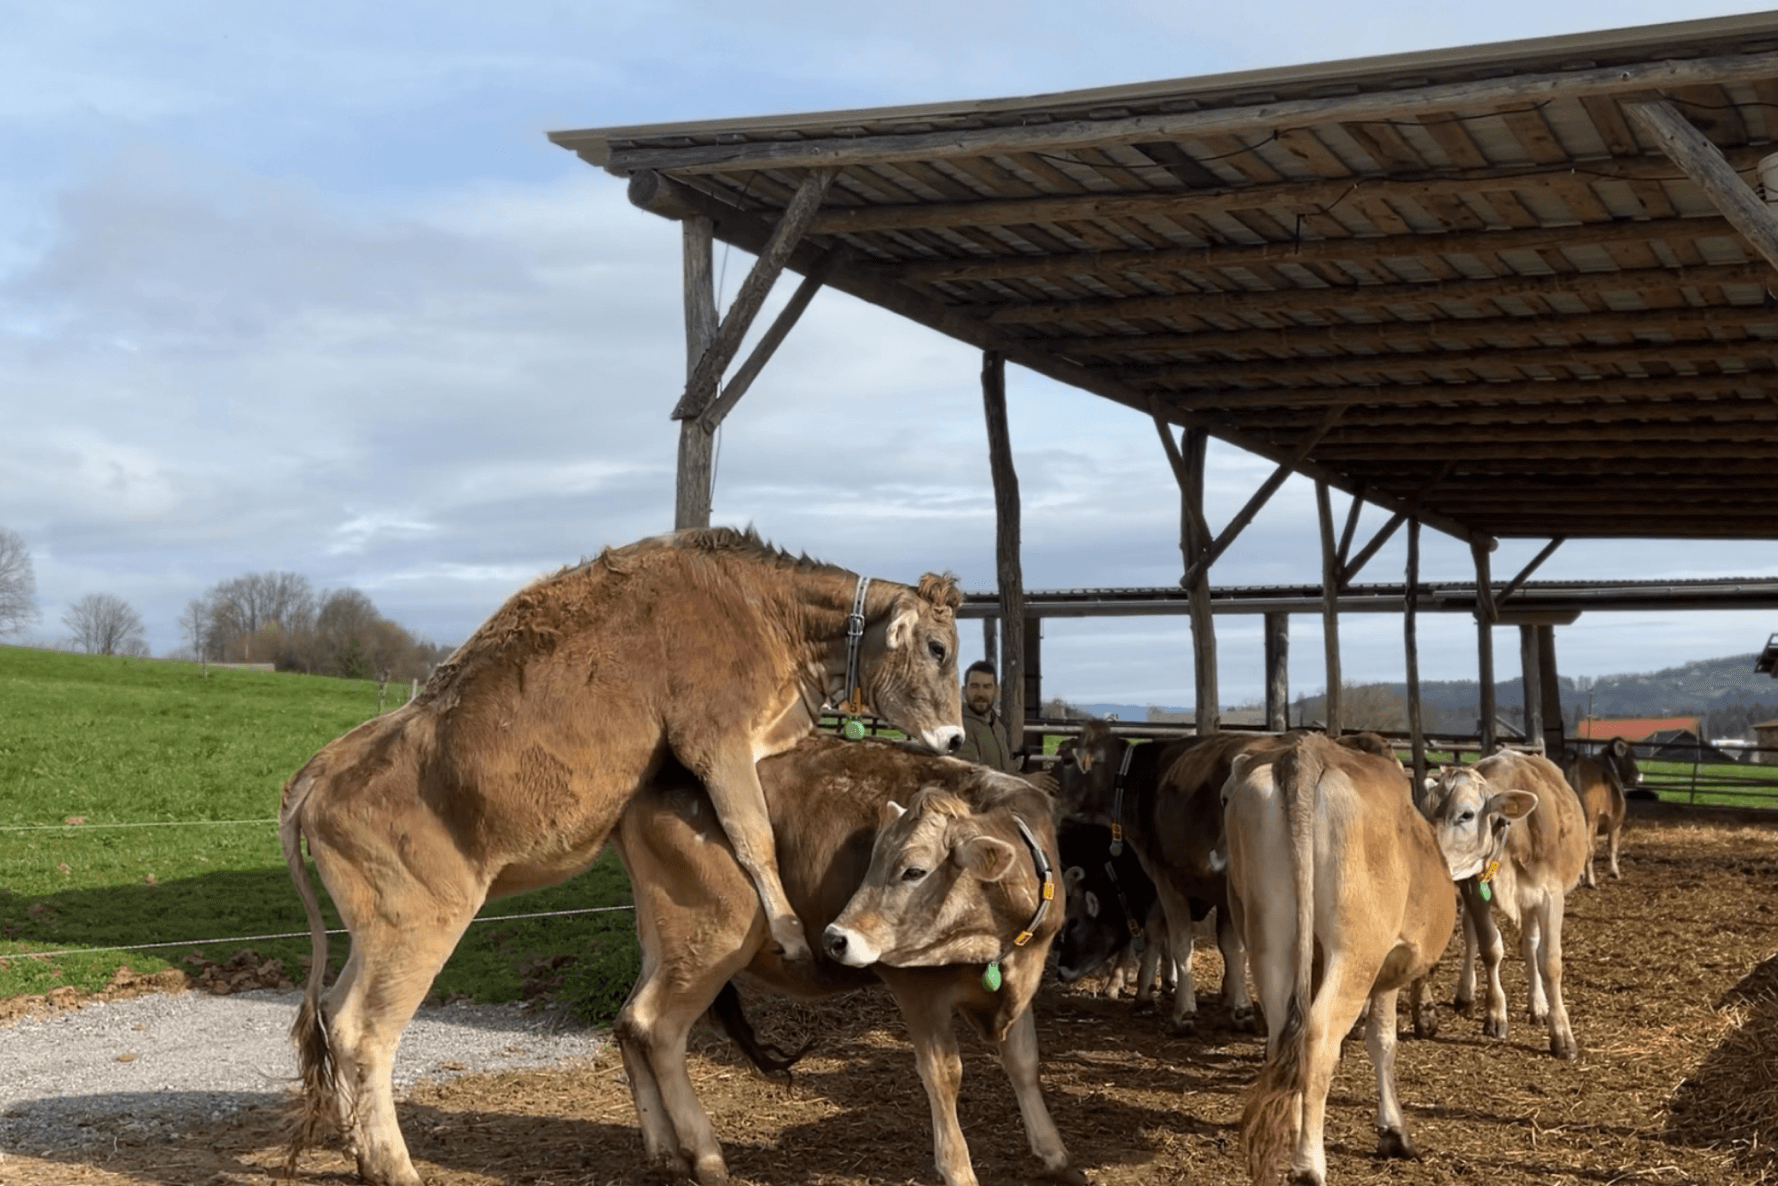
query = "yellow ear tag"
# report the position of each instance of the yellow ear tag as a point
(991, 977)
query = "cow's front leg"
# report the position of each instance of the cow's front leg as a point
(1180, 936)
(941, 1070)
(1464, 1000)
(1530, 943)
(733, 785)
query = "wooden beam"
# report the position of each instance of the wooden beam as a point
(1388, 529)
(1555, 727)
(695, 470)
(1330, 607)
(1352, 513)
(1703, 162)
(1732, 408)
(1480, 447)
(1486, 615)
(1007, 566)
(1531, 683)
(1411, 646)
(1200, 566)
(762, 352)
(700, 389)
(1277, 671)
(1289, 196)
(1513, 585)
(1346, 249)
(1213, 300)
(1477, 97)
(672, 200)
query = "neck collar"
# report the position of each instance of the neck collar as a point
(1117, 801)
(853, 705)
(1046, 892)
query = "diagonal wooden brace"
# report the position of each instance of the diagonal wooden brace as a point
(1705, 164)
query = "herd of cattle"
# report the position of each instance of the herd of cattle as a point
(663, 698)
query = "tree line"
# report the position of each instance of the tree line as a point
(278, 618)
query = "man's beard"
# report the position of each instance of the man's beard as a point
(980, 705)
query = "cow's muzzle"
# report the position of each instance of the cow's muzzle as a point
(845, 946)
(943, 739)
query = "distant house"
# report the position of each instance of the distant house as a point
(1765, 735)
(1670, 739)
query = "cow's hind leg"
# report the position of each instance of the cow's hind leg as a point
(1614, 833)
(1234, 970)
(651, 1032)
(1018, 1054)
(1549, 963)
(1339, 1000)
(387, 976)
(1379, 1039)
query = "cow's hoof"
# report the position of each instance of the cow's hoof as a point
(1066, 1174)
(1538, 1018)
(1183, 1027)
(1464, 1006)
(1244, 1020)
(1393, 1142)
(1563, 1047)
(1425, 1022)
(1495, 1028)
(1143, 1006)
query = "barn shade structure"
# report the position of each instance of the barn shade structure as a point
(1517, 290)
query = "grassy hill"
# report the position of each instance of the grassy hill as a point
(138, 806)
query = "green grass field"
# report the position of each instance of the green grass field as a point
(174, 783)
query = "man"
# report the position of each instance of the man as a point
(984, 741)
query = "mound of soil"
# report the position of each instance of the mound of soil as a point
(1670, 978)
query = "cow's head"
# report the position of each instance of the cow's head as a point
(926, 900)
(1095, 928)
(1086, 773)
(1470, 817)
(910, 664)
(1621, 761)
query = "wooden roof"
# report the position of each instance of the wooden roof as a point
(1469, 285)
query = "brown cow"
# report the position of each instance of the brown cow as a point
(1533, 859)
(1165, 800)
(1602, 783)
(979, 887)
(512, 767)
(1343, 896)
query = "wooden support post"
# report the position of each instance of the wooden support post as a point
(1006, 544)
(1555, 730)
(1330, 605)
(1416, 722)
(691, 504)
(990, 643)
(1484, 623)
(1704, 163)
(1531, 681)
(1277, 672)
(1033, 684)
(1195, 536)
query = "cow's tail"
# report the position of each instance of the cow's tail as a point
(1274, 1107)
(772, 1062)
(317, 1109)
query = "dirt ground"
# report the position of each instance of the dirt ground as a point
(1671, 980)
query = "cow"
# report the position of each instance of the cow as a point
(1343, 896)
(1535, 857)
(842, 838)
(1603, 782)
(1164, 800)
(511, 768)
(1114, 915)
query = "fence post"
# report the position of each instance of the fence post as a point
(1697, 753)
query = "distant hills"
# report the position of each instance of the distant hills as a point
(1704, 687)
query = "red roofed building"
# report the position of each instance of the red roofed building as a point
(1634, 729)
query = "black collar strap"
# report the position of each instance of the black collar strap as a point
(1046, 892)
(1129, 915)
(1117, 801)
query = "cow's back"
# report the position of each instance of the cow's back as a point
(1602, 799)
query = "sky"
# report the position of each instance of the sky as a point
(306, 288)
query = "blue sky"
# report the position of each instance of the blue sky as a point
(306, 288)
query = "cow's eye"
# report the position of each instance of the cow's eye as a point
(1465, 817)
(937, 649)
(912, 873)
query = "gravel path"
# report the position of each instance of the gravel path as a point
(155, 1064)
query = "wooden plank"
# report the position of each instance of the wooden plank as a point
(1386, 146)
(1704, 163)
(693, 473)
(700, 389)
(1453, 136)
(1552, 439)
(1490, 448)
(1520, 417)
(1330, 607)
(1008, 569)
(1254, 118)
(1452, 394)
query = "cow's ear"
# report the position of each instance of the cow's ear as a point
(889, 813)
(1513, 804)
(901, 629)
(1092, 904)
(984, 858)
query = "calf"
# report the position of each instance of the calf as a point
(925, 900)
(1114, 915)
(1533, 859)
(1602, 783)
(1343, 896)
(1164, 801)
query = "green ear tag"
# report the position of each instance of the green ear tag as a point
(853, 729)
(1486, 891)
(991, 977)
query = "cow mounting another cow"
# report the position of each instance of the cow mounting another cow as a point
(512, 767)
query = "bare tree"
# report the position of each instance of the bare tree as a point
(194, 624)
(18, 584)
(250, 613)
(102, 624)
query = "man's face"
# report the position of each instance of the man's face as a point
(978, 691)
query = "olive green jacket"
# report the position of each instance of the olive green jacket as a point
(984, 742)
